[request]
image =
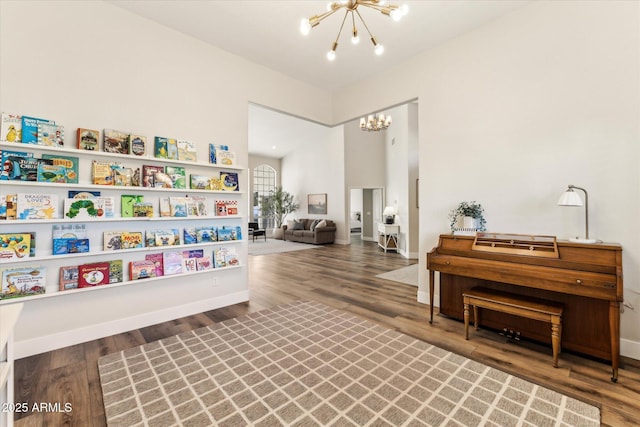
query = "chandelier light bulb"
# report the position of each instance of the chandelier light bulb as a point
(404, 9)
(396, 14)
(305, 27)
(331, 55)
(379, 49)
(355, 39)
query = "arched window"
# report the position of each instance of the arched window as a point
(264, 181)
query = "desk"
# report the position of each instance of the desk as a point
(388, 236)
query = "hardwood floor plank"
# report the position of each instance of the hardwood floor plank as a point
(343, 277)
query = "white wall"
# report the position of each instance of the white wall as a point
(513, 112)
(90, 64)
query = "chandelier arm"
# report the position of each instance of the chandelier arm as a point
(342, 25)
(364, 23)
(383, 9)
(320, 18)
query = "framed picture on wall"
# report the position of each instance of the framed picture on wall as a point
(317, 203)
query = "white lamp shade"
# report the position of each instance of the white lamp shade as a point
(389, 211)
(570, 198)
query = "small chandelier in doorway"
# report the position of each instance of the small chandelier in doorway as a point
(375, 122)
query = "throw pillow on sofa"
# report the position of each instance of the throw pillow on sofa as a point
(321, 224)
(314, 224)
(297, 225)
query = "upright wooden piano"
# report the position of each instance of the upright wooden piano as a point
(586, 278)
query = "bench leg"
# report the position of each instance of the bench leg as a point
(466, 320)
(556, 338)
(475, 317)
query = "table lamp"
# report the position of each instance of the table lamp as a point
(389, 215)
(571, 198)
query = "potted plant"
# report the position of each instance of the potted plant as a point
(471, 214)
(278, 205)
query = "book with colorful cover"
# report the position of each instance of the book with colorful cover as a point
(24, 168)
(157, 262)
(94, 274)
(112, 240)
(226, 158)
(160, 147)
(143, 210)
(123, 176)
(30, 129)
(165, 206)
(152, 235)
(172, 262)
(189, 265)
(177, 175)
(186, 151)
(199, 182)
(51, 173)
(15, 245)
(213, 152)
(190, 236)
(193, 253)
(88, 139)
(82, 194)
(132, 239)
(225, 234)
(178, 206)
(206, 234)
(138, 145)
(142, 269)
(148, 174)
(101, 173)
(115, 271)
(172, 149)
(165, 238)
(88, 209)
(204, 263)
(69, 237)
(226, 207)
(23, 282)
(36, 206)
(50, 135)
(126, 204)
(76, 246)
(68, 278)
(229, 181)
(70, 164)
(10, 206)
(115, 141)
(219, 257)
(231, 258)
(10, 163)
(199, 205)
(11, 128)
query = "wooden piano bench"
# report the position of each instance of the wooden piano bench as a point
(531, 308)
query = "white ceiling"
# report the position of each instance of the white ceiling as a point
(267, 32)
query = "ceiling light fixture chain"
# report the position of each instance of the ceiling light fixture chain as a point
(393, 11)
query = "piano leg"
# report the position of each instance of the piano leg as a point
(614, 329)
(431, 286)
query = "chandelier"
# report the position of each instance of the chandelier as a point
(351, 7)
(375, 122)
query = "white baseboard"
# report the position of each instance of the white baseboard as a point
(76, 336)
(630, 348)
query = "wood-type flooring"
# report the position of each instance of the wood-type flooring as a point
(342, 276)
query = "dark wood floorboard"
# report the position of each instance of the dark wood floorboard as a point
(343, 277)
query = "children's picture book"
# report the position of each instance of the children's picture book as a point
(172, 262)
(226, 158)
(23, 168)
(88, 139)
(189, 265)
(10, 163)
(229, 181)
(112, 240)
(189, 235)
(132, 239)
(200, 205)
(177, 175)
(69, 237)
(143, 210)
(115, 141)
(70, 164)
(160, 147)
(101, 173)
(172, 149)
(148, 174)
(15, 245)
(122, 176)
(206, 234)
(178, 206)
(186, 151)
(126, 204)
(76, 246)
(165, 206)
(231, 258)
(10, 206)
(68, 278)
(30, 129)
(37, 206)
(115, 271)
(204, 263)
(142, 269)
(165, 238)
(156, 258)
(51, 135)
(11, 128)
(162, 180)
(225, 234)
(192, 206)
(82, 194)
(85, 208)
(199, 182)
(213, 152)
(138, 145)
(226, 207)
(93, 274)
(219, 257)
(51, 173)
(22, 282)
(193, 253)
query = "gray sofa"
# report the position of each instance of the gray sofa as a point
(305, 231)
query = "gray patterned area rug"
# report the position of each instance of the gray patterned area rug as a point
(307, 364)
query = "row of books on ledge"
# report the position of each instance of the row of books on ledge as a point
(29, 281)
(32, 130)
(59, 169)
(90, 205)
(74, 238)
